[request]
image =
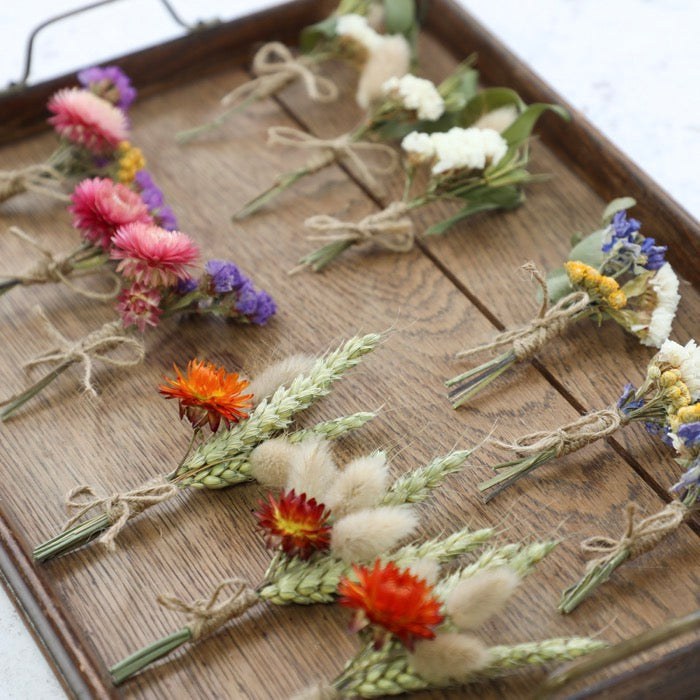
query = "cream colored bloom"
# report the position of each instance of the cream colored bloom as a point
(419, 147)
(390, 58)
(665, 286)
(685, 358)
(467, 149)
(417, 94)
(356, 27)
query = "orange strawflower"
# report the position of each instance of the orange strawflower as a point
(296, 525)
(208, 394)
(397, 602)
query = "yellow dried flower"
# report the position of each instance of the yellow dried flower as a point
(617, 300)
(669, 378)
(131, 160)
(577, 271)
(689, 414)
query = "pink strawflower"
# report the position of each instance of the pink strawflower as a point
(139, 306)
(100, 206)
(87, 120)
(153, 256)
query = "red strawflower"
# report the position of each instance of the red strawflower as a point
(139, 306)
(87, 120)
(101, 206)
(152, 255)
(296, 525)
(397, 602)
(208, 394)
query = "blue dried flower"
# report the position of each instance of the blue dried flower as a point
(690, 479)
(266, 308)
(247, 302)
(110, 83)
(689, 434)
(654, 254)
(186, 286)
(165, 218)
(625, 402)
(152, 197)
(225, 276)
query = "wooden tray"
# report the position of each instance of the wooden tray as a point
(90, 609)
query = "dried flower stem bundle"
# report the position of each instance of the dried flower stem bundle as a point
(672, 384)
(419, 636)
(314, 548)
(223, 459)
(614, 273)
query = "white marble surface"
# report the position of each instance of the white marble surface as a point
(628, 65)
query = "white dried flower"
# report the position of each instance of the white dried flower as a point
(419, 147)
(467, 149)
(426, 569)
(366, 534)
(449, 657)
(270, 462)
(498, 119)
(665, 286)
(356, 27)
(391, 58)
(312, 469)
(417, 94)
(362, 484)
(279, 374)
(686, 359)
(474, 600)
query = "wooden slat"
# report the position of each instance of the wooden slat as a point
(130, 434)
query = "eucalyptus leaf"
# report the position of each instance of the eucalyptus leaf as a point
(558, 285)
(315, 33)
(399, 16)
(488, 100)
(519, 131)
(589, 249)
(619, 204)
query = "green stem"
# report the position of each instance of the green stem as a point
(514, 470)
(597, 575)
(474, 380)
(71, 538)
(16, 402)
(137, 661)
(282, 183)
(605, 657)
(318, 259)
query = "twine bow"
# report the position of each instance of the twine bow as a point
(208, 614)
(340, 147)
(94, 346)
(33, 178)
(569, 438)
(638, 538)
(51, 268)
(387, 228)
(275, 67)
(549, 323)
(118, 507)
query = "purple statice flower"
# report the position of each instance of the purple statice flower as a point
(653, 254)
(247, 299)
(625, 402)
(690, 479)
(110, 83)
(623, 229)
(265, 309)
(186, 286)
(225, 276)
(689, 433)
(152, 197)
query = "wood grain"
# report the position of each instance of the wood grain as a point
(436, 299)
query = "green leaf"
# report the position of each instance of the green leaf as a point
(619, 204)
(488, 100)
(519, 131)
(399, 16)
(480, 199)
(589, 249)
(460, 86)
(637, 285)
(558, 285)
(312, 35)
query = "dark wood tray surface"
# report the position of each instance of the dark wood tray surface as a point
(448, 294)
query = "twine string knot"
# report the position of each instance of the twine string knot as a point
(208, 614)
(639, 537)
(96, 345)
(388, 228)
(118, 507)
(344, 146)
(40, 178)
(275, 66)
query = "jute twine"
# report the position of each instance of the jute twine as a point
(571, 437)
(42, 179)
(527, 341)
(638, 538)
(118, 507)
(275, 67)
(340, 147)
(388, 228)
(94, 346)
(208, 614)
(52, 268)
